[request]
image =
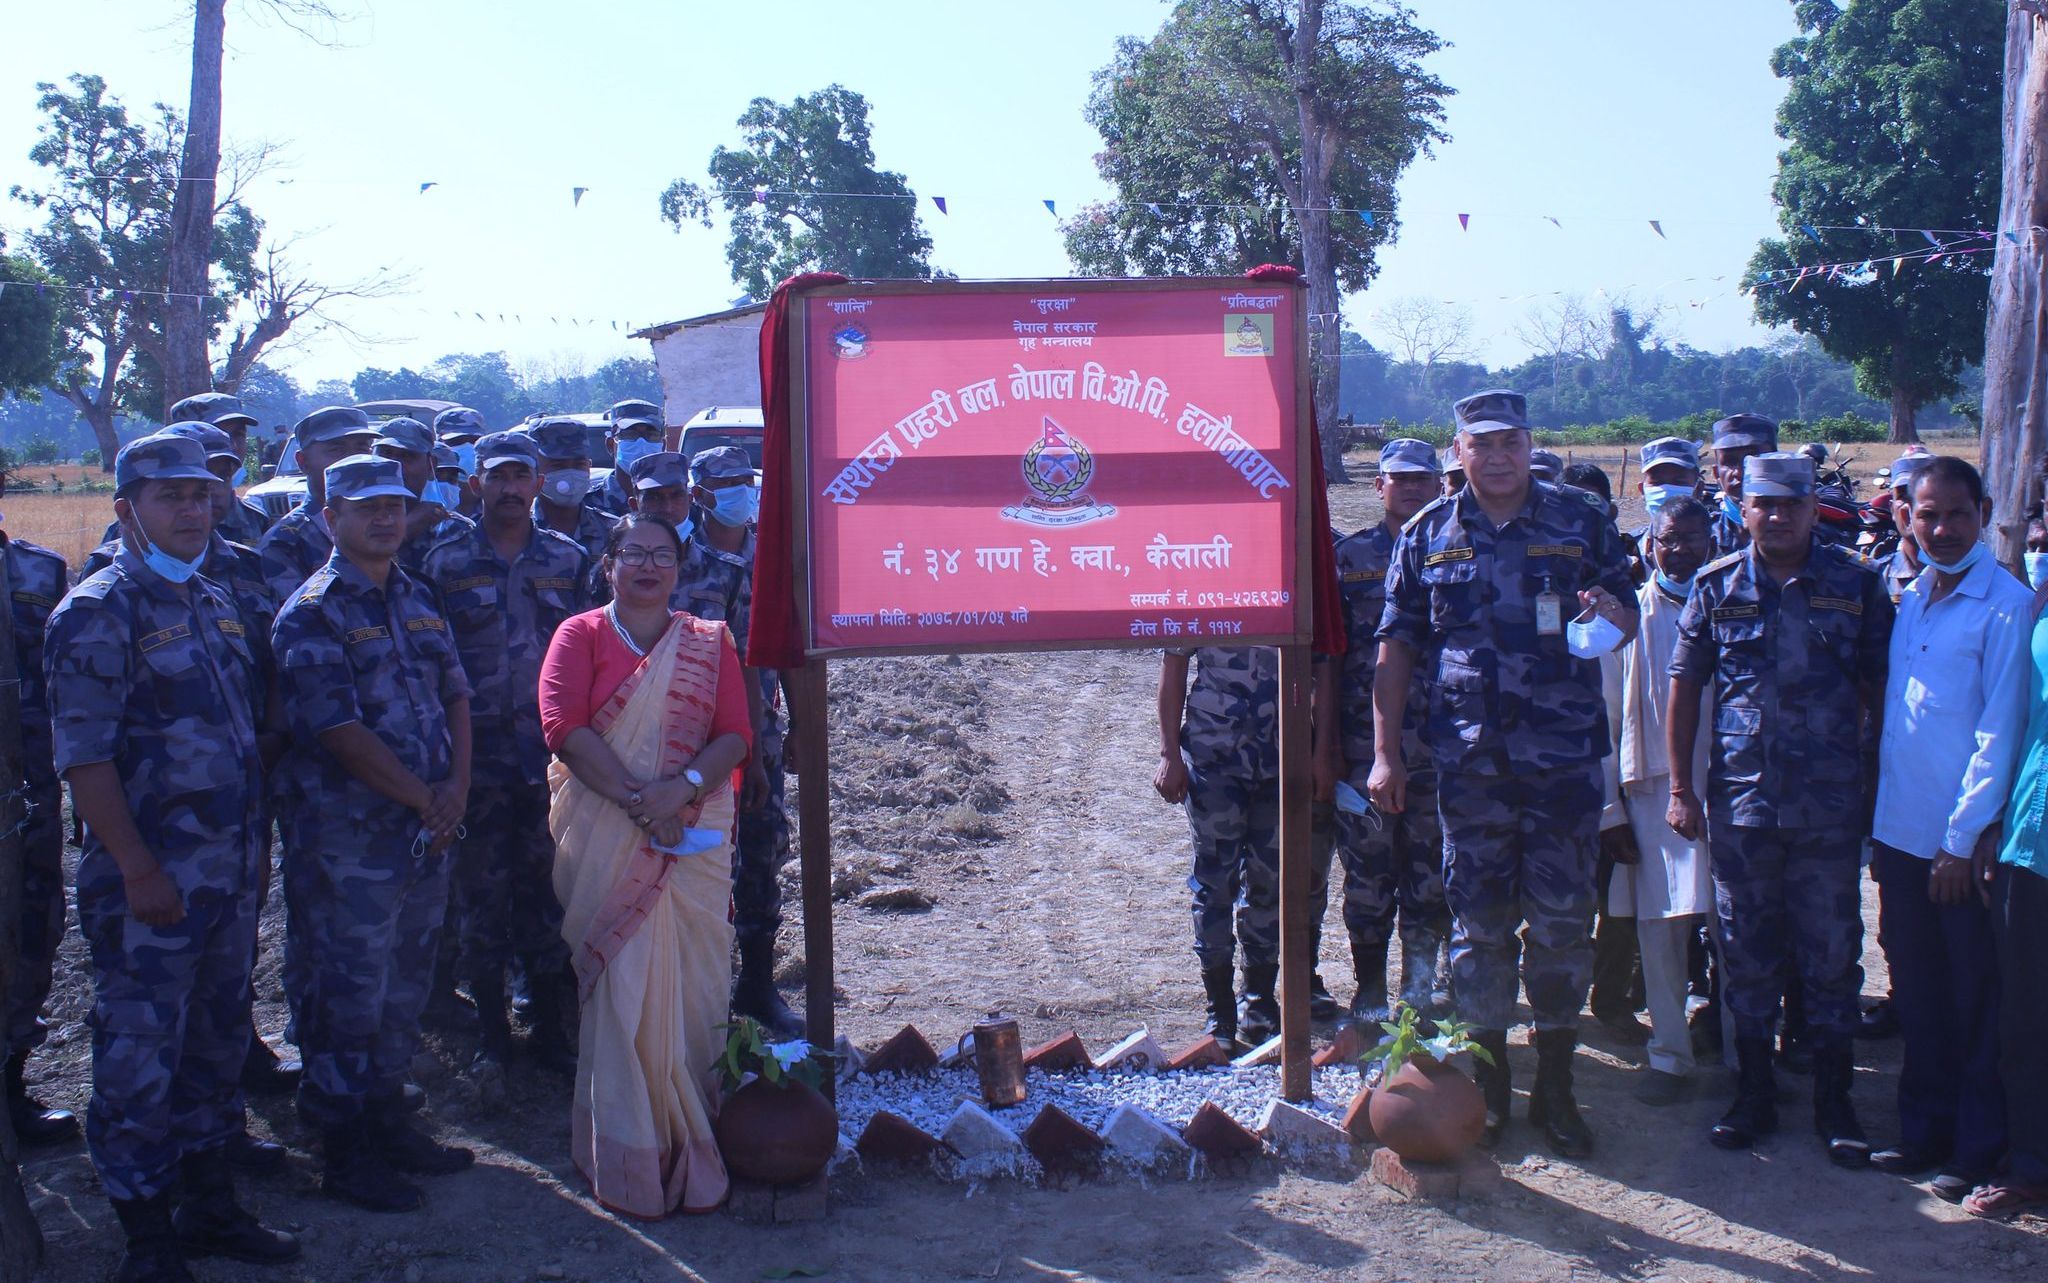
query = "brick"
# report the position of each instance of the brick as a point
(892, 1138)
(1200, 1054)
(1214, 1132)
(1266, 1053)
(1061, 1054)
(1351, 1042)
(1357, 1124)
(1137, 1137)
(801, 1202)
(1290, 1129)
(906, 1052)
(1473, 1176)
(1135, 1054)
(1061, 1144)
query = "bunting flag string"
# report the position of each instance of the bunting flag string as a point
(940, 201)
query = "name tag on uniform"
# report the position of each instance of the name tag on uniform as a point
(1364, 576)
(1750, 611)
(1447, 554)
(554, 581)
(232, 627)
(474, 581)
(375, 632)
(426, 624)
(1556, 550)
(1842, 604)
(176, 632)
(34, 599)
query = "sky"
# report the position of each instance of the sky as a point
(1601, 114)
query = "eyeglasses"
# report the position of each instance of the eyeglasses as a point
(665, 558)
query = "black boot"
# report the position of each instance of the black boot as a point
(1795, 1050)
(252, 1153)
(551, 1044)
(354, 1171)
(1323, 1007)
(34, 1122)
(1551, 1107)
(754, 994)
(152, 1255)
(493, 1023)
(1419, 988)
(399, 1142)
(210, 1222)
(264, 1074)
(1369, 966)
(1834, 1071)
(1496, 1083)
(1755, 1111)
(1219, 988)
(1258, 1018)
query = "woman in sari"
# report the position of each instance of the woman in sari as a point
(646, 711)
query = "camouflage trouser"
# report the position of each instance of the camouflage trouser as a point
(759, 854)
(1519, 853)
(42, 920)
(503, 877)
(367, 917)
(1397, 861)
(1234, 821)
(170, 1028)
(1789, 897)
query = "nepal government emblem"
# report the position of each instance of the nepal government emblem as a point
(1057, 469)
(850, 342)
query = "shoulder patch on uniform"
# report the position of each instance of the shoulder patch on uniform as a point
(1842, 604)
(1747, 610)
(1442, 555)
(426, 624)
(35, 549)
(1721, 563)
(1556, 550)
(165, 636)
(375, 632)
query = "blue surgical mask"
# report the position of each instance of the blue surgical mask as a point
(693, 842)
(163, 563)
(1676, 587)
(1977, 552)
(2037, 568)
(441, 493)
(631, 451)
(1593, 638)
(465, 457)
(735, 505)
(1655, 497)
(241, 477)
(1731, 510)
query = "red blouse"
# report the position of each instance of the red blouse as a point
(587, 661)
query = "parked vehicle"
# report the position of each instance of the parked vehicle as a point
(724, 425)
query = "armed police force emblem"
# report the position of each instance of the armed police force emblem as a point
(1057, 469)
(850, 342)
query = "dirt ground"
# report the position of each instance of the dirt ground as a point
(1016, 793)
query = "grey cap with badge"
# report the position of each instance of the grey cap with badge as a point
(1406, 454)
(560, 437)
(658, 471)
(160, 456)
(215, 442)
(505, 447)
(722, 462)
(1777, 476)
(1669, 450)
(365, 476)
(217, 408)
(1544, 465)
(332, 423)
(458, 425)
(1494, 410)
(1745, 432)
(409, 435)
(1908, 467)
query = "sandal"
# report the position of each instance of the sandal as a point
(1997, 1200)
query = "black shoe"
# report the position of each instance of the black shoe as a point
(493, 1026)
(355, 1172)
(1705, 1026)
(1219, 991)
(210, 1222)
(1755, 1112)
(754, 993)
(1879, 1021)
(448, 1011)
(264, 1074)
(1834, 1117)
(1908, 1160)
(1369, 967)
(253, 1154)
(1624, 1028)
(1258, 1017)
(1953, 1185)
(1496, 1083)
(1551, 1106)
(411, 1150)
(152, 1254)
(1323, 1008)
(34, 1122)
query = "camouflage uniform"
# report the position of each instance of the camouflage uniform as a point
(164, 685)
(593, 531)
(366, 909)
(1517, 726)
(610, 498)
(1725, 534)
(37, 579)
(1785, 801)
(1898, 573)
(1399, 859)
(293, 549)
(503, 617)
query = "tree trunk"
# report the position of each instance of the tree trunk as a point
(1903, 432)
(186, 369)
(2015, 408)
(21, 1239)
(100, 418)
(1318, 262)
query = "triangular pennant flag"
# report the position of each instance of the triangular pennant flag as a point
(576, 195)
(1931, 238)
(940, 201)
(1802, 275)
(1834, 270)
(1552, 220)
(1934, 258)
(501, 318)
(615, 325)
(3, 287)
(1658, 228)
(1366, 214)
(2012, 236)
(760, 196)
(127, 296)
(424, 186)
(1050, 208)
(1465, 222)
(1897, 263)
(1809, 229)
(1153, 206)
(480, 316)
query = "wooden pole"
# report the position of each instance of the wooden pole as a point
(2016, 335)
(810, 746)
(1296, 931)
(21, 1239)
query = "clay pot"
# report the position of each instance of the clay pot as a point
(1427, 1113)
(778, 1135)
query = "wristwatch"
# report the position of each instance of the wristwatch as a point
(696, 779)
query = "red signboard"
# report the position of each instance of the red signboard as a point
(1079, 463)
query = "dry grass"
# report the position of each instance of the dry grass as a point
(68, 524)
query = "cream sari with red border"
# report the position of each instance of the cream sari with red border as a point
(651, 943)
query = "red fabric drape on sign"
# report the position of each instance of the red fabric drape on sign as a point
(773, 637)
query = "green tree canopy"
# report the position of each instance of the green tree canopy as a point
(31, 345)
(1891, 119)
(800, 195)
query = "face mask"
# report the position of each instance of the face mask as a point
(1676, 587)
(465, 457)
(1655, 497)
(442, 494)
(631, 451)
(1592, 639)
(1976, 553)
(163, 563)
(735, 505)
(566, 487)
(241, 477)
(2037, 568)
(1731, 510)
(693, 842)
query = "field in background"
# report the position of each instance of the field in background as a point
(68, 524)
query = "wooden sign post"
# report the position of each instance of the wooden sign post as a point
(1028, 466)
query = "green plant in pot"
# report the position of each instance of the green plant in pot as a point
(1424, 1108)
(774, 1125)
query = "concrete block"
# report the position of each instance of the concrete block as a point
(1137, 1054)
(1290, 1129)
(977, 1136)
(750, 1201)
(850, 1058)
(1138, 1138)
(1266, 1053)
